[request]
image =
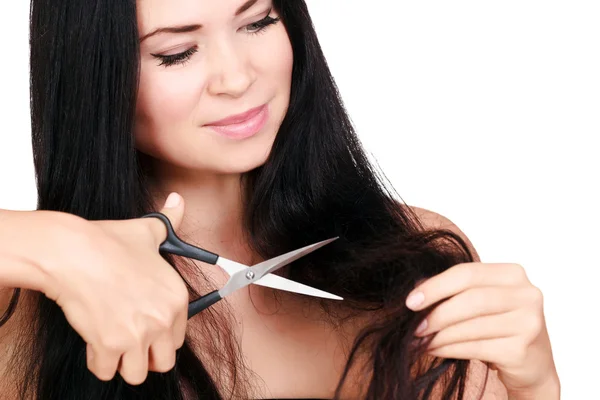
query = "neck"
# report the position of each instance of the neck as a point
(213, 208)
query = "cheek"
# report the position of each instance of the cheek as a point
(166, 101)
(278, 69)
(167, 97)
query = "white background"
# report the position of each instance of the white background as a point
(487, 113)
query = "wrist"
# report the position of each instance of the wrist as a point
(17, 246)
(59, 241)
(29, 251)
(548, 390)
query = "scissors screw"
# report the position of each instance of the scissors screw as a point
(250, 275)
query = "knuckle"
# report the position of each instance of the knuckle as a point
(163, 321)
(178, 301)
(518, 272)
(537, 297)
(172, 303)
(160, 321)
(181, 297)
(115, 343)
(111, 344)
(468, 274)
(533, 326)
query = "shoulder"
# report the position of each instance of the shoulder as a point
(479, 376)
(433, 220)
(484, 382)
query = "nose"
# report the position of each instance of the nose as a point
(232, 74)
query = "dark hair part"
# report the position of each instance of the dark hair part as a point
(316, 184)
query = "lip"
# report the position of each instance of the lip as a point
(242, 125)
(238, 118)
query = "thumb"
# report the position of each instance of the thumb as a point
(173, 209)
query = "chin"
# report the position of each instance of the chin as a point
(242, 163)
(208, 153)
(244, 156)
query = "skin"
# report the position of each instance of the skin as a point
(233, 71)
(488, 312)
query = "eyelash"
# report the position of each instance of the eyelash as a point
(183, 57)
(261, 25)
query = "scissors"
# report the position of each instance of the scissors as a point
(240, 275)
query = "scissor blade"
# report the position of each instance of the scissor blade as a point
(281, 283)
(249, 275)
(276, 281)
(274, 264)
(231, 267)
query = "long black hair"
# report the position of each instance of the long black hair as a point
(317, 183)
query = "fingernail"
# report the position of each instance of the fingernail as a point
(422, 326)
(172, 201)
(415, 300)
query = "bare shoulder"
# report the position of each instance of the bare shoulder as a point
(433, 220)
(480, 381)
(485, 383)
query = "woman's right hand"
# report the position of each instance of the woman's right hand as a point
(119, 294)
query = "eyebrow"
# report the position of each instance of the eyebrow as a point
(191, 28)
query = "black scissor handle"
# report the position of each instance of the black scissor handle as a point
(174, 245)
(203, 303)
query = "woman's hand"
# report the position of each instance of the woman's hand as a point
(492, 313)
(118, 293)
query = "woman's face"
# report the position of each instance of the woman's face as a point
(215, 82)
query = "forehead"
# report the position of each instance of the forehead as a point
(205, 12)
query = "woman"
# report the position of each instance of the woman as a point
(231, 105)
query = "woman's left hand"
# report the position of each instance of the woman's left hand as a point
(492, 313)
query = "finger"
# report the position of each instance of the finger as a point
(179, 328)
(462, 277)
(173, 209)
(481, 328)
(134, 365)
(162, 354)
(473, 303)
(501, 352)
(102, 363)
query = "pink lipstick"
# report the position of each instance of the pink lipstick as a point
(241, 126)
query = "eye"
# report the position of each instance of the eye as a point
(259, 26)
(174, 59)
